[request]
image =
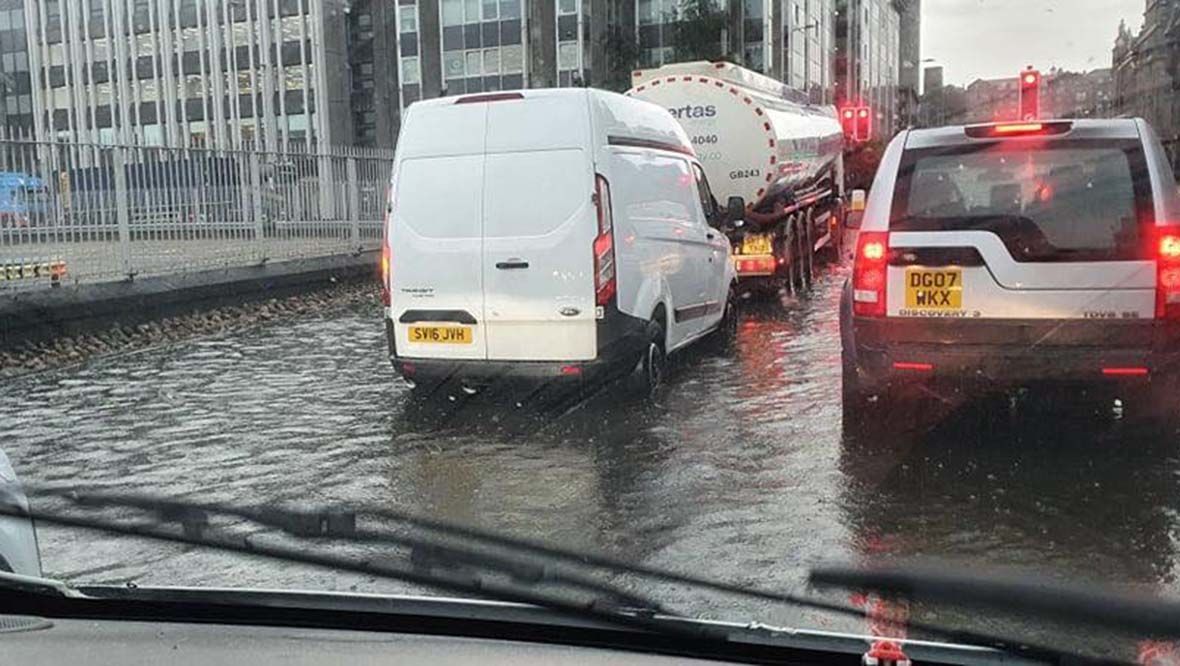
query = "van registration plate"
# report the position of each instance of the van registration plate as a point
(756, 244)
(446, 335)
(934, 289)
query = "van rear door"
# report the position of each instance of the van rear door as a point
(436, 233)
(539, 229)
(1023, 228)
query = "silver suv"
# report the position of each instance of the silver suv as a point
(1011, 255)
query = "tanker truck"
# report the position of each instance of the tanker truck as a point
(759, 141)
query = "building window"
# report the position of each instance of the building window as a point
(491, 10)
(491, 61)
(294, 78)
(473, 63)
(452, 12)
(567, 55)
(512, 59)
(471, 11)
(567, 6)
(408, 18)
(410, 73)
(510, 9)
(453, 64)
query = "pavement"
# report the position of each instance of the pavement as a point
(739, 471)
(89, 258)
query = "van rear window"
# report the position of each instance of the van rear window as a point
(1048, 201)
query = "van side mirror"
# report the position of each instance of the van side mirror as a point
(856, 209)
(735, 210)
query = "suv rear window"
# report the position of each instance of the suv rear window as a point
(1080, 200)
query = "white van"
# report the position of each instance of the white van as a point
(554, 235)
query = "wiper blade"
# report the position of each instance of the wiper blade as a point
(1053, 601)
(469, 585)
(340, 523)
(1140, 616)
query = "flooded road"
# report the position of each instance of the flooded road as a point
(738, 472)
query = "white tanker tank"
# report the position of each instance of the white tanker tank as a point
(753, 140)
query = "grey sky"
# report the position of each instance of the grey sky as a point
(993, 38)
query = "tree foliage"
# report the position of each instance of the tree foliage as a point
(697, 30)
(622, 57)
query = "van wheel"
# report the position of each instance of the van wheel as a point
(652, 368)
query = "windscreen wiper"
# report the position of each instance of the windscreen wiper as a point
(1139, 616)
(432, 559)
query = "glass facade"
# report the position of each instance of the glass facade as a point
(177, 72)
(16, 92)
(482, 45)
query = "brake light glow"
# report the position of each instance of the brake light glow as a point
(605, 284)
(1125, 372)
(1019, 128)
(571, 370)
(906, 365)
(1167, 278)
(868, 274)
(763, 265)
(386, 259)
(491, 97)
(1028, 128)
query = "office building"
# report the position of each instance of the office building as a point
(373, 62)
(189, 72)
(868, 59)
(790, 40)
(909, 73)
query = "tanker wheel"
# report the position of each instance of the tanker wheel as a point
(786, 251)
(806, 246)
(798, 259)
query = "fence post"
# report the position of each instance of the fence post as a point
(256, 205)
(122, 211)
(354, 202)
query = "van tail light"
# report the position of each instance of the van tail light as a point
(868, 273)
(386, 260)
(1167, 283)
(605, 284)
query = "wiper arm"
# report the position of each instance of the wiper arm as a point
(1140, 616)
(470, 585)
(339, 523)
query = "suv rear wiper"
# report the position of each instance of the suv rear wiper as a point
(432, 559)
(1138, 615)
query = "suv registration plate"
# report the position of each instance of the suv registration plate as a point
(446, 335)
(934, 289)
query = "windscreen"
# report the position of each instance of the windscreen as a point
(1047, 201)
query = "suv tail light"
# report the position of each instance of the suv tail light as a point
(605, 284)
(386, 259)
(868, 273)
(1167, 282)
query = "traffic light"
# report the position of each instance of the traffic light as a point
(864, 123)
(857, 123)
(1030, 94)
(848, 122)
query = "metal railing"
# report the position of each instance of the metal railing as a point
(85, 213)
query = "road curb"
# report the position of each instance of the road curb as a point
(33, 316)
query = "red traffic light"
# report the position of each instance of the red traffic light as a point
(857, 122)
(1030, 97)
